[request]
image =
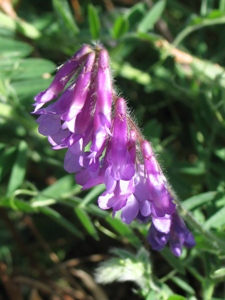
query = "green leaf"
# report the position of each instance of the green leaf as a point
(65, 15)
(6, 160)
(19, 25)
(183, 284)
(176, 297)
(222, 6)
(124, 231)
(19, 168)
(196, 170)
(152, 16)
(120, 27)
(92, 195)
(29, 88)
(96, 211)
(62, 188)
(86, 222)
(218, 274)
(94, 22)
(217, 220)
(11, 48)
(26, 68)
(198, 200)
(57, 217)
(136, 13)
(220, 153)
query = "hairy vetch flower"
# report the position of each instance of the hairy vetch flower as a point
(80, 111)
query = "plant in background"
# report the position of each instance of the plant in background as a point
(168, 59)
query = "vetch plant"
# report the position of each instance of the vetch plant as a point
(104, 146)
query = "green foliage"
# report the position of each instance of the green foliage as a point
(125, 267)
(94, 22)
(168, 61)
(152, 16)
(120, 27)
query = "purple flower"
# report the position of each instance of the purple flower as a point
(104, 146)
(104, 95)
(156, 184)
(62, 114)
(64, 74)
(170, 229)
(120, 160)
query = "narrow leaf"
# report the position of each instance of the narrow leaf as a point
(62, 188)
(6, 160)
(11, 48)
(182, 284)
(136, 13)
(92, 195)
(217, 220)
(65, 15)
(57, 217)
(86, 222)
(29, 88)
(24, 69)
(152, 16)
(19, 168)
(199, 200)
(176, 297)
(19, 25)
(120, 27)
(222, 6)
(124, 231)
(218, 274)
(94, 22)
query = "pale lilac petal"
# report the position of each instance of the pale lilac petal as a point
(130, 210)
(145, 208)
(103, 200)
(162, 224)
(110, 183)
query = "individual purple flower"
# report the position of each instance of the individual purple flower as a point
(62, 114)
(117, 199)
(64, 74)
(170, 229)
(156, 184)
(120, 158)
(104, 96)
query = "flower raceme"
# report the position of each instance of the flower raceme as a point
(80, 111)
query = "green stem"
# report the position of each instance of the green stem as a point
(195, 273)
(208, 289)
(204, 22)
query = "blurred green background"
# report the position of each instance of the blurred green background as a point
(167, 58)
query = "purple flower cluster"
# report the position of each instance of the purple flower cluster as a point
(104, 146)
